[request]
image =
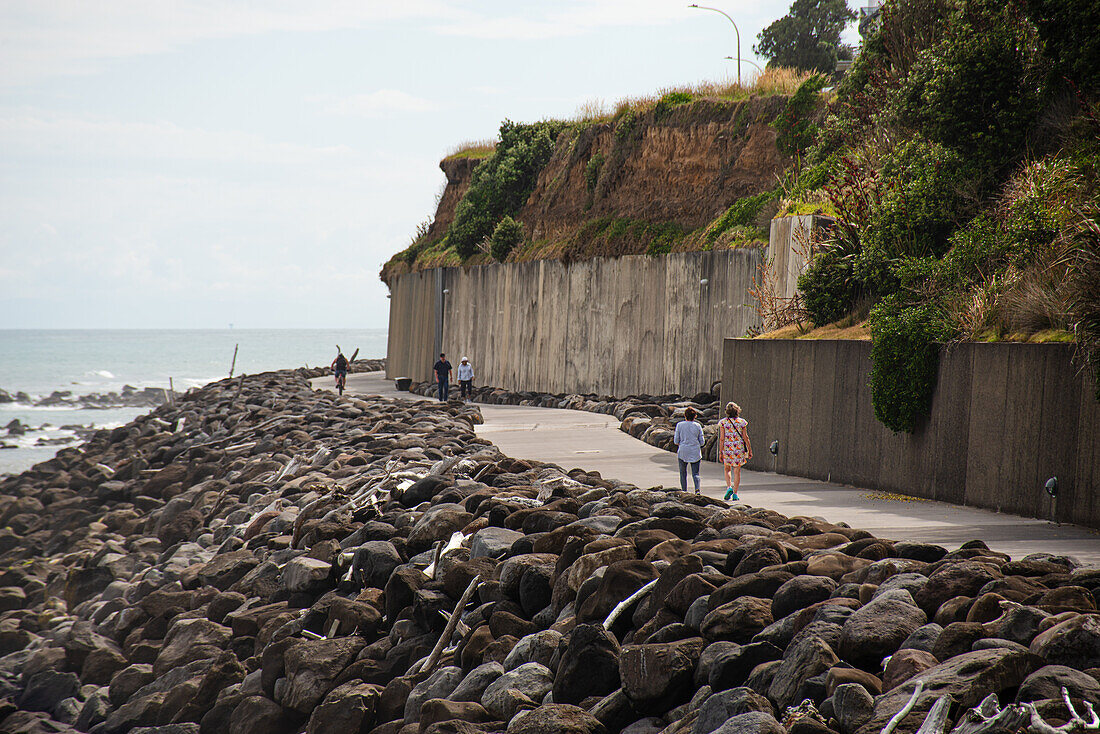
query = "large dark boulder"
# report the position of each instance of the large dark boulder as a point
(657, 677)
(967, 678)
(589, 666)
(878, 628)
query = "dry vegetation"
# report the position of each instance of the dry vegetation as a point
(473, 149)
(773, 81)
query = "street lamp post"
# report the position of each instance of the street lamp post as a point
(747, 61)
(716, 10)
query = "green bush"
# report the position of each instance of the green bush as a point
(924, 194)
(905, 360)
(795, 127)
(741, 213)
(625, 123)
(669, 102)
(829, 287)
(501, 184)
(592, 172)
(505, 237)
(976, 89)
(663, 237)
(1071, 43)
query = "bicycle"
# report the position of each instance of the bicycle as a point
(341, 378)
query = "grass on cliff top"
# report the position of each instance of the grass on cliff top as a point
(472, 149)
(773, 81)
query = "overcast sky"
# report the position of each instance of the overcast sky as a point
(196, 163)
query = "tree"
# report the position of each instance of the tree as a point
(807, 37)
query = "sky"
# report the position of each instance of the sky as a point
(200, 163)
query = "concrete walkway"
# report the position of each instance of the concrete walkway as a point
(593, 441)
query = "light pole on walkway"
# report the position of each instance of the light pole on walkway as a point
(735, 30)
(747, 61)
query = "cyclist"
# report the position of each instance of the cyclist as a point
(340, 368)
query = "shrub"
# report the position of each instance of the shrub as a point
(507, 234)
(829, 287)
(976, 89)
(592, 172)
(922, 197)
(794, 125)
(905, 360)
(669, 102)
(1071, 43)
(502, 183)
(741, 213)
(1084, 295)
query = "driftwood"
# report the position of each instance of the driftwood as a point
(988, 717)
(452, 621)
(621, 606)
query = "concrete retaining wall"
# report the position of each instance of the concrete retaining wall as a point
(617, 326)
(1005, 417)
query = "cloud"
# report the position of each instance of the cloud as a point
(383, 103)
(32, 132)
(562, 19)
(42, 38)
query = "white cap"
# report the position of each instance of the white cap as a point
(465, 359)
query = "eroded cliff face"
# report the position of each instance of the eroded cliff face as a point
(685, 165)
(459, 172)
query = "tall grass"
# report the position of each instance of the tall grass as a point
(772, 81)
(473, 149)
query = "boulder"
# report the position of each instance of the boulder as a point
(852, 706)
(373, 563)
(1048, 681)
(440, 684)
(878, 628)
(904, 664)
(724, 705)
(312, 666)
(492, 542)
(732, 667)
(473, 685)
(619, 581)
(967, 678)
(555, 718)
(189, 640)
(306, 575)
(803, 660)
(965, 578)
(1074, 642)
(754, 722)
(589, 666)
(737, 621)
(538, 647)
(657, 677)
(530, 680)
(259, 715)
(48, 688)
(799, 593)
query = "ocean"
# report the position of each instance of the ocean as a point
(39, 362)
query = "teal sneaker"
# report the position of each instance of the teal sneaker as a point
(729, 493)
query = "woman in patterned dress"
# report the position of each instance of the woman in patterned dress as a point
(734, 448)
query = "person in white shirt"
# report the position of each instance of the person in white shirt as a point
(465, 378)
(689, 440)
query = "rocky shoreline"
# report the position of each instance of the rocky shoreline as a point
(261, 557)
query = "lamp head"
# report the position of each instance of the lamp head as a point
(1051, 486)
(774, 448)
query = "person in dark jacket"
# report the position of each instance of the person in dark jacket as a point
(442, 371)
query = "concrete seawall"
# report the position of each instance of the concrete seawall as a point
(1005, 418)
(619, 326)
